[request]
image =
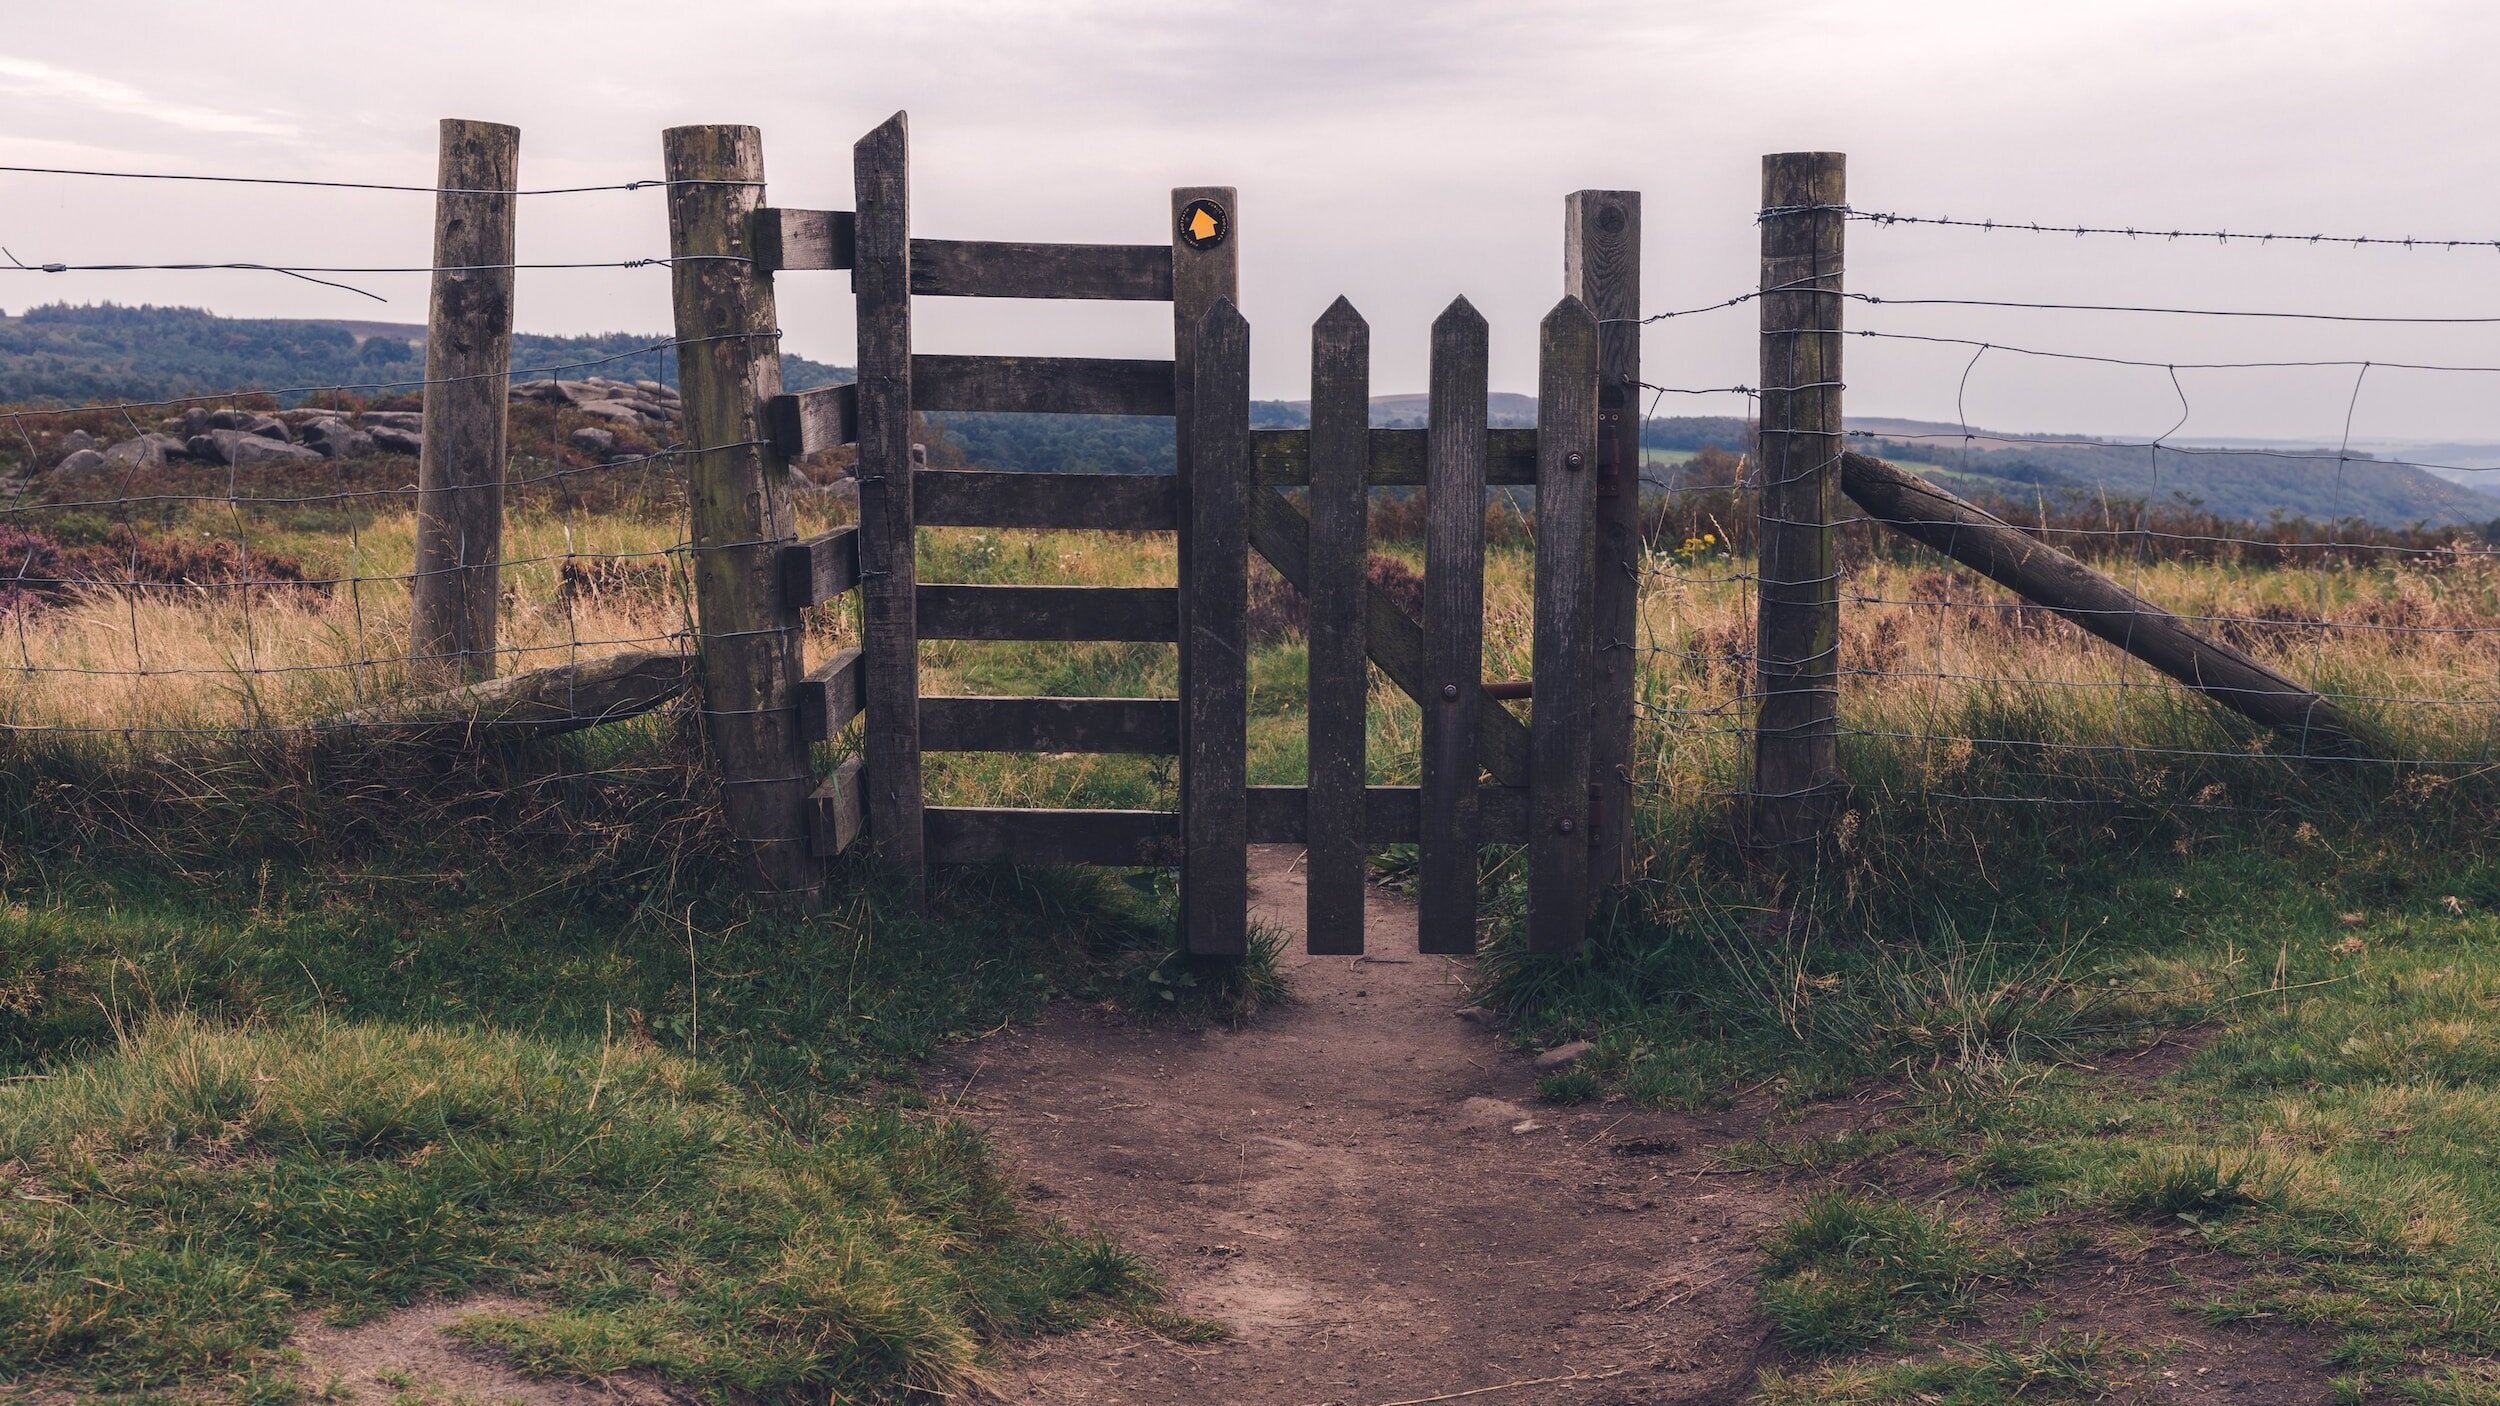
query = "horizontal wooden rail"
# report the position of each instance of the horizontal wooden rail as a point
(798, 241)
(838, 810)
(831, 696)
(1100, 502)
(562, 698)
(810, 421)
(968, 268)
(1392, 815)
(1397, 457)
(1149, 726)
(1008, 835)
(820, 568)
(1042, 385)
(1140, 613)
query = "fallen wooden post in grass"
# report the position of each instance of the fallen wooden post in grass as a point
(565, 698)
(2048, 577)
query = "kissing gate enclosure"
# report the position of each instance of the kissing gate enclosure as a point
(1557, 783)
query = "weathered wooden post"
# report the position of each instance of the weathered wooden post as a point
(1602, 268)
(1454, 470)
(1206, 270)
(728, 366)
(454, 594)
(1796, 773)
(1335, 855)
(1561, 740)
(1215, 589)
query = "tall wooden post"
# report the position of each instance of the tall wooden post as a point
(1335, 856)
(1564, 647)
(1455, 445)
(1796, 774)
(453, 597)
(1602, 268)
(1215, 588)
(1206, 270)
(729, 366)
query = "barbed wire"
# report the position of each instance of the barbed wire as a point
(2219, 236)
(655, 183)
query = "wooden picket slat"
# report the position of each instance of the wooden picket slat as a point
(1339, 676)
(1602, 268)
(1397, 457)
(1453, 633)
(971, 268)
(838, 810)
(824, 418)
(1096, 502)
(1135, 613)
(1126, 839)
(1564, 651)
(1148, 726)
(833, 695)
(890, 598)
(798, 241)
(1392, 815)
(1043, 385)
(821, 568)
(1215, 840)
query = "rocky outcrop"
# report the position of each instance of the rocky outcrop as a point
(245, 449)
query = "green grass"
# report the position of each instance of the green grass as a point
(1849, 1272)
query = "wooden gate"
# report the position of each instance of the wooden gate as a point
(1235, 489)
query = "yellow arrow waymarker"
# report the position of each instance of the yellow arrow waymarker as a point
(1202, 225)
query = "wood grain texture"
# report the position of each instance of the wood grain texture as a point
(1143, 726)
(1124, 839)
(1339, 670)
(1043, 385)
(740, 507)
(1796, 780)
(971, 268)
(1392, 815)
(1215, 589)
(1150, 614)
(889, 596)
(2048, 577)
(1282, 535)
(810, 421)
(1099, 502)
(802, 241)
(1445, 880)
(1564, 646)
(822, 568)
(1602, 268)
(1396, 456)
(1200, 277)
(455, 594)
(835, 692)
(837, 811)
(565, 698)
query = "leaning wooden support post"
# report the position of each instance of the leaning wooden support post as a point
(565, 698)
(454, 597)
(1602, 268)
(888, 544)
(1335, 857)
(1445, 861)
(2048, 577)
(1796, 772)
(1215, 588)
(1564, 648)
(738, 486)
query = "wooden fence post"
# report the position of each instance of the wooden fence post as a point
(1561, 739)
(455, 593)
(1454, 454)
(729, 366)
(1206, 267)
(888, 540)
(1215, 588)
(1336, 856)
(1800, 440)
(1602, 268)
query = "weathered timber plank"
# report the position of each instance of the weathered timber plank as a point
(800, 241)
(889, 595)
(1127, 839)
(1215, 838)
(1454, 702)
(1392, 815)
(564, 698)
(837, 812)
(970, 268)
(1137, 613)
(1339, 687)
(821, 568)
(1043, 385)
(833, 695)
(1397, 457)
(1147, 726)
(1564, 649)
(1602, 268)
(824, 418)
(1099, 502)
(1203, 271)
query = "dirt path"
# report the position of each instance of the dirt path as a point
(1363, 1188)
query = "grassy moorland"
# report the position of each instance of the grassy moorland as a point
(298, 1024)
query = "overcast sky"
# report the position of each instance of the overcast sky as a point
(1400, 154)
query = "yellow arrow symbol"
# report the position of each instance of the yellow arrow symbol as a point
(1202, 225)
